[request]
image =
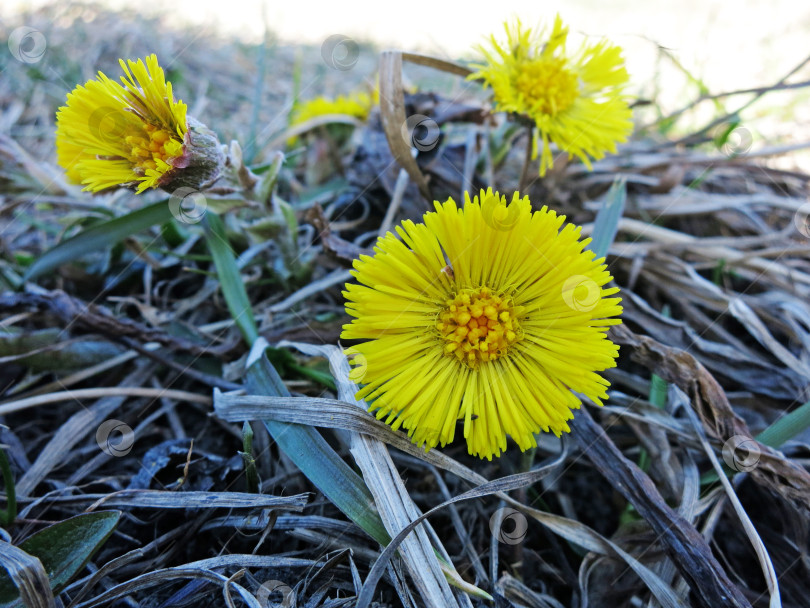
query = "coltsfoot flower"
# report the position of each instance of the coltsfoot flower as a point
(358, 105)
(133, 134)
(575, 99)
(491, 314)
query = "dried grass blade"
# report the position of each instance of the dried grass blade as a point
(571, 530)
(707, 397)
(437, 64)
(756, 542)
(684, 544)
(395, 505)
(28, 576)
(394, 121)
(313, 455)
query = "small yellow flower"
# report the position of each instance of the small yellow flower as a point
(358, 105)
(492, 314)
(132, 134)
(576, 100)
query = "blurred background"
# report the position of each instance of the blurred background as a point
(727, 44)
(675, 50)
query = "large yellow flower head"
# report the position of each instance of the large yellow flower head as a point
(134, 133)
(575, 99)
(492, 314)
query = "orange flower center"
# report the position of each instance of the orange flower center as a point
(153, 148)
(479, 325)
(546, 86)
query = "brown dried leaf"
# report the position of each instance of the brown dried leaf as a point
(335, 247)
(677, 366)
(392, 113)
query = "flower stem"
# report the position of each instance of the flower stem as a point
(524, 173)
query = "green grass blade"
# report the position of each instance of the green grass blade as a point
(100, 236)
(302, 444)
(607, 219)
(787, 427)
(315, 457)
(229, 278)
(775, 435)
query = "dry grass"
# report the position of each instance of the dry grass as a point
(712, 254)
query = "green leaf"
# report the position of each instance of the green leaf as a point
(286, 364)
(230, 280)
(607, 219)
(64, 548)
(100, 236)
(304, 445)
(310, 452)
(786, 427)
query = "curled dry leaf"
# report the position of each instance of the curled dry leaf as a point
(335, 247)
(392, 113)
(709, 400)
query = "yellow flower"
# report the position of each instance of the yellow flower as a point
(358, 105)
(576, 100)
(133, 134)
(492, 313)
